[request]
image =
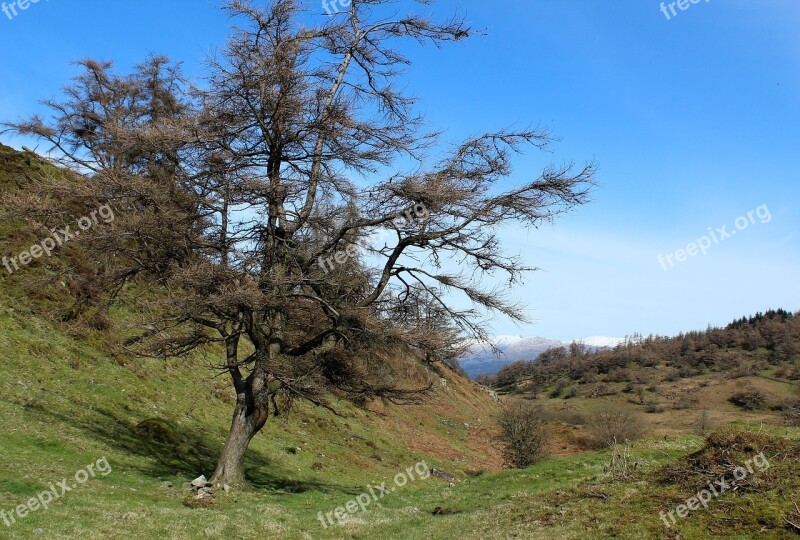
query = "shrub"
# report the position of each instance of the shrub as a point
(524, 433)
(748, 399)
(622, 462)
(681, 404)
(687, 371)
(791, 412)
(727, 449)
(602, 390)
(616, 425)
(652, 407)
(618, 375)
(560, 386)
(530, 390)
(648, 361)
(741, 371)
(703, 424)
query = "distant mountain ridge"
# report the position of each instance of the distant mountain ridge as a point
(480, 359)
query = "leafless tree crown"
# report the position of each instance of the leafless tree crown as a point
(236, 195)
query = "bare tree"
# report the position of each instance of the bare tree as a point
(245, 200)
(615, 425)
(524, 433)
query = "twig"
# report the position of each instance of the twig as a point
(786, 519)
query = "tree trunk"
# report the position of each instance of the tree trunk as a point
(248, 419)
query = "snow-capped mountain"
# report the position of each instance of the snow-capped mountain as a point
(481, 359)
(602, 341)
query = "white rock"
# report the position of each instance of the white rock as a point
(200, 481)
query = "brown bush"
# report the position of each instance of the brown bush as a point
(615, 425)
(652, 407)
(619, 375)
(681, 404)
(791, 412)
(727, 449)
(686, 372)
(524, 433)
(603, 390)
(748, 399)
(703, 424)
(561, 385)
(741, 371)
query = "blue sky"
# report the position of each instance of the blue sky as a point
(694, 121)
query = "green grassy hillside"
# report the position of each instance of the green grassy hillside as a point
(747, 371)
(70, 398)
(65, 404)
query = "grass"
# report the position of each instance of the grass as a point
(67, 399)
(66, 403)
